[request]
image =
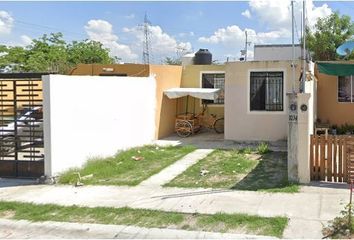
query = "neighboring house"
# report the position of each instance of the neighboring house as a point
(335, 94)
(276, 52)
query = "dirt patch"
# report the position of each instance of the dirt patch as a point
(253, 156)
(8, 214)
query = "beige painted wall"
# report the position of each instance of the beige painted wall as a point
(191, 78)
(240, 123)
(328, 107)
(166, 77)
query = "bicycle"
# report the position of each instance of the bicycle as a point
(188, 124)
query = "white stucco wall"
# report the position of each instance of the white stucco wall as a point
(311, 88)
(90, 116)
(276, 52)
(241, 124)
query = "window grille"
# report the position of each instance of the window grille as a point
(266, 91)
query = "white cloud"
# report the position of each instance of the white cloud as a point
(162, 44)
(246, 13)
(102, 31)
(313, 13)
(230, 35)
(236, 37)
(6, 22)
(277, 13)
(26, 40)
(271, 12)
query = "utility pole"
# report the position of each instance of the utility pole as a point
(293, 46)
(146, 43)
(304, 54)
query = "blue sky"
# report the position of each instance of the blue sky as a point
(218, 26)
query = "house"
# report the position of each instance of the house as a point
(276, 52)
(255, 99)
(335, 94)
(253, 94)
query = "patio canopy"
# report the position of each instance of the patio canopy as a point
(202, 93)
(336, 69)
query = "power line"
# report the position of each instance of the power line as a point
(48, 27)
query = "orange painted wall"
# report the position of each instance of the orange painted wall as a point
(328, 107)
(166, 77)
(136, 70)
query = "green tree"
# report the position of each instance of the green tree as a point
(329, 33)
(88, 52)
(47, 54)
(172, 61)
(50, 53)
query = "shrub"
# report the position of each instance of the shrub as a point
(340, 227)
(263, 148)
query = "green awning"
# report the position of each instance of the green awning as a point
(336, 69)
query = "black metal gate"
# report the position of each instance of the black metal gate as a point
(21, 125)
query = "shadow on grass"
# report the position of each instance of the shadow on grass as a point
(270, 174)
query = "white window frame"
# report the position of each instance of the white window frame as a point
(351, 90)
(285, 105)
(201, 86)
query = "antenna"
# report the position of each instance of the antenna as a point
(146, 43)
(244, 51)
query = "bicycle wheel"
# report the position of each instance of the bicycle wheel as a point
(184, 128)
(219, 125)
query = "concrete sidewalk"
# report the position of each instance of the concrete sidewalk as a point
(307, 210)
(172, 171)
(10, 229)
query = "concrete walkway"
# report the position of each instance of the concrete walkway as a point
(208, 139)
(10, 229)
(172, 171)
(307, 210)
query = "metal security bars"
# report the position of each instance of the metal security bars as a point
(214, 80)
(266, 91)
(21, 126)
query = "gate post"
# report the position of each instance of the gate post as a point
(298, 138)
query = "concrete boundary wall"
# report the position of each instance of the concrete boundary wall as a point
(90, 116)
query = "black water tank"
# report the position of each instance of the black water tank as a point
(203, 57)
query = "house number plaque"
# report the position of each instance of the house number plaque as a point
(293, 113)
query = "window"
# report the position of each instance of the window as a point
(266, 91)
(345, 89)
(214, 80)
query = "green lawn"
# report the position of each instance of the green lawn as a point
(124, 169)
(243, 170)
(234, 223)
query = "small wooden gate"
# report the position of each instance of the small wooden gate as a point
(330, 158)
